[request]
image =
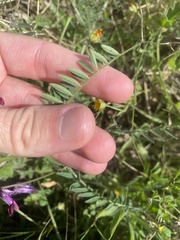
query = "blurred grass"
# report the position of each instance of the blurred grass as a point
(142, 184)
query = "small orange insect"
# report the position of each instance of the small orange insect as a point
(96, 35)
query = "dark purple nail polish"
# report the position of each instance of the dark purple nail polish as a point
(2, 101)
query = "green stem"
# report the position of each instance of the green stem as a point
(64, 30)
(28, 218)
(51, 216)
(30, 181)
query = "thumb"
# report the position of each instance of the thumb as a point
(44, 130)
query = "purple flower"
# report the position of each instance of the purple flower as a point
(6, 194)
(13, 207)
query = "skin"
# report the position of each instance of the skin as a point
(66, 132)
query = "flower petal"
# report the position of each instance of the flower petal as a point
(13, 207)
(6, 198)
(24, 189)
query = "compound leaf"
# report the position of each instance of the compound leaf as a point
(109, 50)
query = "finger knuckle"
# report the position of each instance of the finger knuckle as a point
(22, 131)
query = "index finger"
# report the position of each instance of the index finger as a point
(37, 59)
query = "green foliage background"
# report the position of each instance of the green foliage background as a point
(138, 197)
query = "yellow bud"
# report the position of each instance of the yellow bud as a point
(96, 35)
(99, 105)
(160, 228)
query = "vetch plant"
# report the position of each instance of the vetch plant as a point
(69, 87)
(6, 195)
(138, 195)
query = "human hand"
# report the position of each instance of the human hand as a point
(66, 132)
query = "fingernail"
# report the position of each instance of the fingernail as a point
(72, 124)
(1, 101)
